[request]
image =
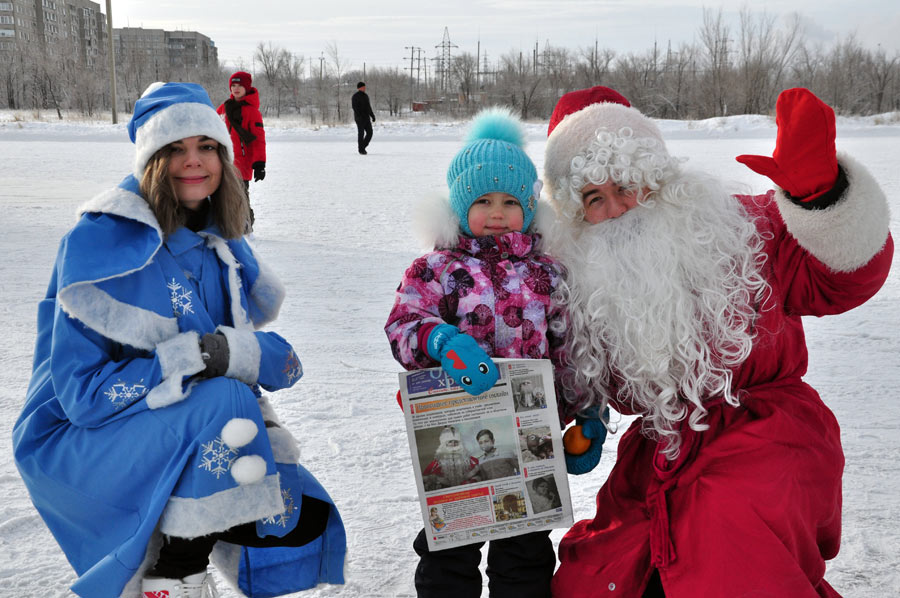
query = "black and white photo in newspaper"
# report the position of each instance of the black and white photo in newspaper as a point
(489, 466)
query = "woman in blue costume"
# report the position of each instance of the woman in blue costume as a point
(145, 441)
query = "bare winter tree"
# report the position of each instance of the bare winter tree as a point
(716, 80)
(594, 66)
(880, 71)
(558, 66)
(517, 81)
(337, 66)
(763, 56)
(679, 75)
(637, 76)
(463, 69)
(845, 83)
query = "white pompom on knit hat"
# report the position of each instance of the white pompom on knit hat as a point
(167, 112)
(596, 132)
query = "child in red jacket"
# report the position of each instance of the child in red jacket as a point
(244, 121)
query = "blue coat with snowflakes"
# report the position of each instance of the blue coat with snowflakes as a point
(119, 440)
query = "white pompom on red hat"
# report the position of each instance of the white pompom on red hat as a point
(595, 131)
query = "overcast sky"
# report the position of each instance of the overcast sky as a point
(380, 32)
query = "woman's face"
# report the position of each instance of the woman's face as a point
(195, 169)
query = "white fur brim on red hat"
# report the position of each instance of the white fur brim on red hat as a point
(577, 132)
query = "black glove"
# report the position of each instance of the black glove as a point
(259, 171)
(373, 118)
(215, 354)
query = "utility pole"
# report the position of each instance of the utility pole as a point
(413, 82)
(112, 59)
(477, 67)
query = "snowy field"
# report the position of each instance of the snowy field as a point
(335, 226)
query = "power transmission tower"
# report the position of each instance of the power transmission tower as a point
(443, 60)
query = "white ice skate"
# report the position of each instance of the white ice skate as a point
(198, 585)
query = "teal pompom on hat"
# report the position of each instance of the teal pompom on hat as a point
(492, 160)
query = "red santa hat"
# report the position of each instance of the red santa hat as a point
(450, 433)
(595, 131)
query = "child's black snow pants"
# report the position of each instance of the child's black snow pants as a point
(519, 567)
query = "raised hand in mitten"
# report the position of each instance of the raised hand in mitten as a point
(593, 430)
(462, 359)
(259, 171)
(215, 354)
(804, 162)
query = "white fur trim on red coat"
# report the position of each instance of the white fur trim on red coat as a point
(849, 233)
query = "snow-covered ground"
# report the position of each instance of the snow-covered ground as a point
(336, 227)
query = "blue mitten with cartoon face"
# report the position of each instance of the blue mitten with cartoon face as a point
(462, 359)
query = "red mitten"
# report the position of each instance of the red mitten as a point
(804, 162)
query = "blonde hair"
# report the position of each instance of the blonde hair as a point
(229, 206)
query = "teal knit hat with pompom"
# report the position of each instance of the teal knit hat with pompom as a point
(493, 159)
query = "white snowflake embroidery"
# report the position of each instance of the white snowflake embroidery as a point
(285, 516)
(217, 457)
(292, 368)
(121, 394)
(181, 299)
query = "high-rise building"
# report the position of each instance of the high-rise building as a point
(164, 48)
(77, 28)
(72, 28)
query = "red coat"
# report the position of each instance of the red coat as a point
(752, 507)
(252, 148)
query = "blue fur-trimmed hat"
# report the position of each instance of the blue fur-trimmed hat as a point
(493, 159)
(167, 112)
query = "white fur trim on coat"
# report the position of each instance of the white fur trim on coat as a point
(435, 224)
(117, 321)
(178, 357)
(244, 354)
(266, 296)
(849, 233)
(284, 446)
(96, 309)
(192, 517)
(177, 121)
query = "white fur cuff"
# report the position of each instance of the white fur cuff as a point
(846, 235)
(243, 354)
(178, 357)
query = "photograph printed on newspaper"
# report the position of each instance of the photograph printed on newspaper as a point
(489, 466)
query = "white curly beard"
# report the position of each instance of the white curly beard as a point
(662, 302)
(455, 464)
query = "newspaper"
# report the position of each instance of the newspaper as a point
(489, 466)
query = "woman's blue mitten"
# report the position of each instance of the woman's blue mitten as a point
(592, 427)
(462, 359)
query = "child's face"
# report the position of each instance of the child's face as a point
(485, 442)
(609, 200)
(238, 91)
(195, 169)
(495, 213)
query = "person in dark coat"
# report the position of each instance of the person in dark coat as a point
(362, 112)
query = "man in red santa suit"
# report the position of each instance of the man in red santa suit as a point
(452, 464)
(686, 307)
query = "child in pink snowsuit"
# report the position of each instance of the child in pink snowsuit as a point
(484, 291)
